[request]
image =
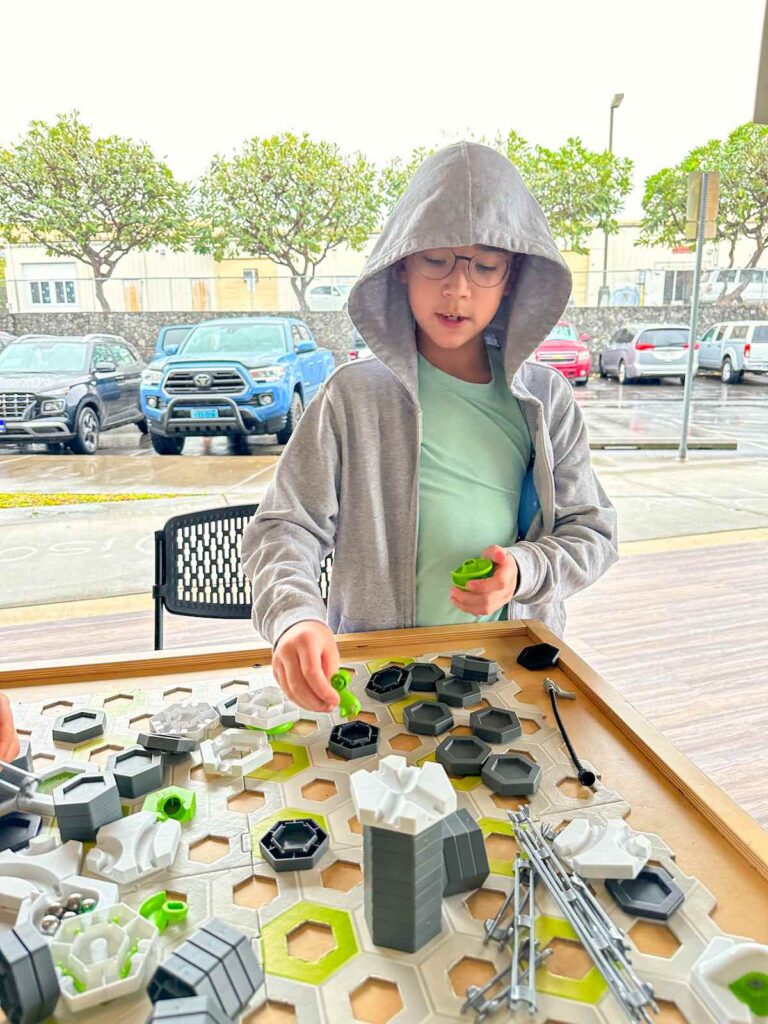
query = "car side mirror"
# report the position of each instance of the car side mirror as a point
(305, 346)
(171, 349)
(585, 337)
(105, 367)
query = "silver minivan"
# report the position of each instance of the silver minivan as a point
(642, 350)
(735, 348)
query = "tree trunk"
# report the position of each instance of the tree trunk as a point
(99, 282)
(735, 296)
(300, 285)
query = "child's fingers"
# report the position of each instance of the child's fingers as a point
(315, 677)
(298, 688)
(9, 741)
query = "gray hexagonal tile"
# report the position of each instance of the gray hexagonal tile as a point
(428, 717)
(495, 725)
(458, 693)
(462, 755)
(511, 775)
(79, 726)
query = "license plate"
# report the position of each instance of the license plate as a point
(3, 428)
(669, 356)
(205, 414)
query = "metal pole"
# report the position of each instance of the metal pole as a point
(605, 247)
(683, 452)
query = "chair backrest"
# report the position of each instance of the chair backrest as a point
(199, 569)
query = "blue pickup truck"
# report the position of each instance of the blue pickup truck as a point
(234, 377)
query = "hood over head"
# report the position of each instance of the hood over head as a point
(465, 194)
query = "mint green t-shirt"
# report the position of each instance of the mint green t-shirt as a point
(475, 451)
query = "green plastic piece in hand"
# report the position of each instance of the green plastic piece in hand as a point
(472, 569)
(349, 705)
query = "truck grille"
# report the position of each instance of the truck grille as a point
(557, 357)
(225, 382)
(13, 404)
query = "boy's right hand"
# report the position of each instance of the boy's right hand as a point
(9, 740)
(305, 658)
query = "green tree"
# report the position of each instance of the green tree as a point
(289, 199)
(742, 160)
(92, 199)
(578, 189)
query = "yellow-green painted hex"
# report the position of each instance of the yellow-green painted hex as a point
(274, 943)
(588, 989)
(377, 663)
(463, 783)
(284, 814)
(299, 763)
(496, 826)
(397, 708)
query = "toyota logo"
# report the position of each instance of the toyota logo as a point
(203, 380)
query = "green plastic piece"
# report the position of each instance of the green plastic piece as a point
(172, 802)
(161, 911)
(349, 705)
(472, 569)
(276, 730)
(176, 911)
(78, 985)
(752, 989)
(274, 935)
(125, 970)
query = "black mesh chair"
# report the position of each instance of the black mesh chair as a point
(197, 567)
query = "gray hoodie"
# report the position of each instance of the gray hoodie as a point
(348, 482)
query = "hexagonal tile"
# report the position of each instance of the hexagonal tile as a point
(288, 760)
(425, 675)
(136, 771)
(511, 775)
(462, 755)
(428, 717)
(310, 941)
(209, 849)
(245, 802)
(351, 740)
(78, 726)
(468, 666)
(458, 693)
(388, 684)
(495, 725)
(376, 1001)
(342, 875)
(262, 826)
(255, 892)
(653, 894)
(277, 957)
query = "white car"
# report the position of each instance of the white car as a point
(328, 296)
(716, 282)
(735, 348)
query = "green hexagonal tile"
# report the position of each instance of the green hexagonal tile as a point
(285, 814)
(274, 943)
(462, 784)
(300, 762)
(489, 826)
(589, 989)
(377, 663)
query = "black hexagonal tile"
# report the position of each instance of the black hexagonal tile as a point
(495, 725)
(137, 771)
(471, 666)
(226, 712)
(511, 775)
(295, 845)
(79, 726)
(389, 684)
(458, 693)
(428, 717)
(17, 828)
(462, 755)
(425, 675)
(351, 740)
(653, 894)
(538, 656)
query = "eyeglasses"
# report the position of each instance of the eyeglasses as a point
(485, 269)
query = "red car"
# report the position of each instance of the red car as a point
(567, 351)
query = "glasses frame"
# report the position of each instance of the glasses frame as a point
(470, 260)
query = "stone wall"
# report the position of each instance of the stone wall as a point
(333, 329)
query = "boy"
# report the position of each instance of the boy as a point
(408, 464)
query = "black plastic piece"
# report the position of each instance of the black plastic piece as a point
(389, 684)
(226, 711)
(17, 828)
(458, 693)
(79, 726)
(538, 656)
(351, 740)
(586, 776)
(472, 666)
(495, 725)
(29, 987)
(425, 675)
(294, 845)
(428, 717)
(462, 755)
(653, 894)
(464, 853)
(511, 775)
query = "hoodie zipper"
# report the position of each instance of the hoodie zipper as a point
(415, 520)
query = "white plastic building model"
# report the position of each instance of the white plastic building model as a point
(134, 847)
(602, 849)
(403, 797)
(109, 952)
(265, 708)
(728, 962)
(235, 752)
(191, 720)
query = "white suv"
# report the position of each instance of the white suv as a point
(735, 348)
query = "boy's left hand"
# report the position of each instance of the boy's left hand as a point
(483, 597)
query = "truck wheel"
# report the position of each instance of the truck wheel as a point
(142, 425)
(167, 445)
(86, 439)
(238, 444)
(727, 373)
(294, 415)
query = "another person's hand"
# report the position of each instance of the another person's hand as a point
(305, 658)
(9, 740)
(484, 597)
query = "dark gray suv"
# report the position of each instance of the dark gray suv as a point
(66, 390)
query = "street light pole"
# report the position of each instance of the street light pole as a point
(604, 295)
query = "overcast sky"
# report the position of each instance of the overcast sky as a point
(193, 79)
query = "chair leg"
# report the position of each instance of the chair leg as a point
(158, 624)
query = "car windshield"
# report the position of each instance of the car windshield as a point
(235, 340)
(662, 337)
(175, 335)
(562, 332)
(45, 355)
(761, 334)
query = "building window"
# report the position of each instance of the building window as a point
(251, 278)
(52, 293)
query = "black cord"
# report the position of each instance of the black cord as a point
(586, 777)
